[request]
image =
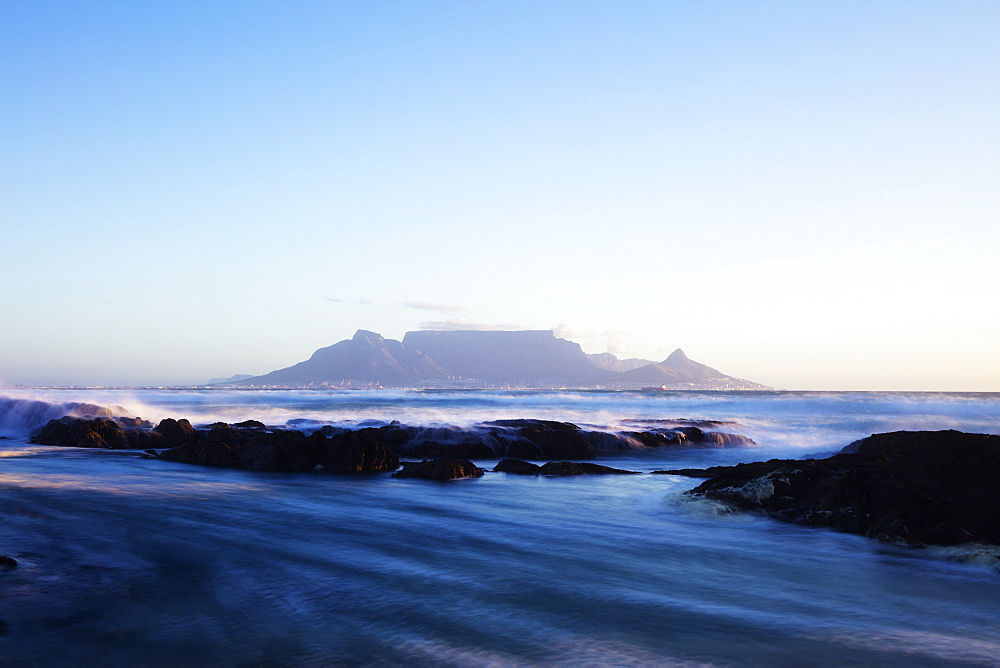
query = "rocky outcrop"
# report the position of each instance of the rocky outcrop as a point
(521, 467)
(263, 448)
(691, 437)
(256, 449)
(109, 433)
(439, 469)
(916, 488)
(540, 439)
(176, 432)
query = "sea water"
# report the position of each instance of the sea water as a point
(127, 560)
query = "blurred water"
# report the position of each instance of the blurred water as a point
(125, 560)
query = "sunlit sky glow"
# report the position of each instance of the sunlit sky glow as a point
(803, 194)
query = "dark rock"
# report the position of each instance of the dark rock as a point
(521, 467)
(209, 453)
(250, 424)
(517, 466)
(539, 439)
(176, 432)
(7, 563)
(94, 433)
(917, 488)
(659, 438)
(531, 423)
(580, 468)
(722, 439)
(133, 423)
(358, 451)
(439, 469)
(285, 450)
(688, 437)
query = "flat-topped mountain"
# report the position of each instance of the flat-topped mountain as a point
(528, 358)
(501, 357)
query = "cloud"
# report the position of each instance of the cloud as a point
(455, 324)
(567, 331)
(431, 306)
(357, 302)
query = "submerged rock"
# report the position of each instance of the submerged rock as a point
(521, 467)
(439, 469)
(7, 563)
(915, 488)
(517, 466)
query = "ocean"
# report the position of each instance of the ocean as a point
(127, 560)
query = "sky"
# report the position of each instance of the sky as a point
(803, 194)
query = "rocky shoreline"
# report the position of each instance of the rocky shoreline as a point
(913, 488)
(921, 488)
(255, 446)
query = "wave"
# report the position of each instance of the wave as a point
(21, 417)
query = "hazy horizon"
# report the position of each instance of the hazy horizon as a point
(801, 195)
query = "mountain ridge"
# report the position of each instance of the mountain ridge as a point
(475, 359)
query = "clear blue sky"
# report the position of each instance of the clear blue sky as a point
(805, 194)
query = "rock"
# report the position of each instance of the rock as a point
(580, 468)
(358, 451)
(133, 423)
(285, 450)
(208, 453)
(517, 466)
(95, 433)
(7, 563)
(539, 439)
(688, 437)
(250, 424)
(915, 488)
(521, 467)
(176, 432)
(439, 469)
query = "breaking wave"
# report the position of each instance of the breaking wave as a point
(21, 417)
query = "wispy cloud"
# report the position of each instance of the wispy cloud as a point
(455, 324)
(356, 302)
(432, 306)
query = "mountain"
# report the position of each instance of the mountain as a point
(232, 379)
(611, 362)
(680, 370)
(366, 358)
(528, 358)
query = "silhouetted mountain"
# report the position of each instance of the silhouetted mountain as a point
(366, 358)
(528, 356)
(678, 370)
(232, 379)
(484, 358)
(610, 362)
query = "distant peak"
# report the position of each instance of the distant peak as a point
(676, 356)
(365, 335)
